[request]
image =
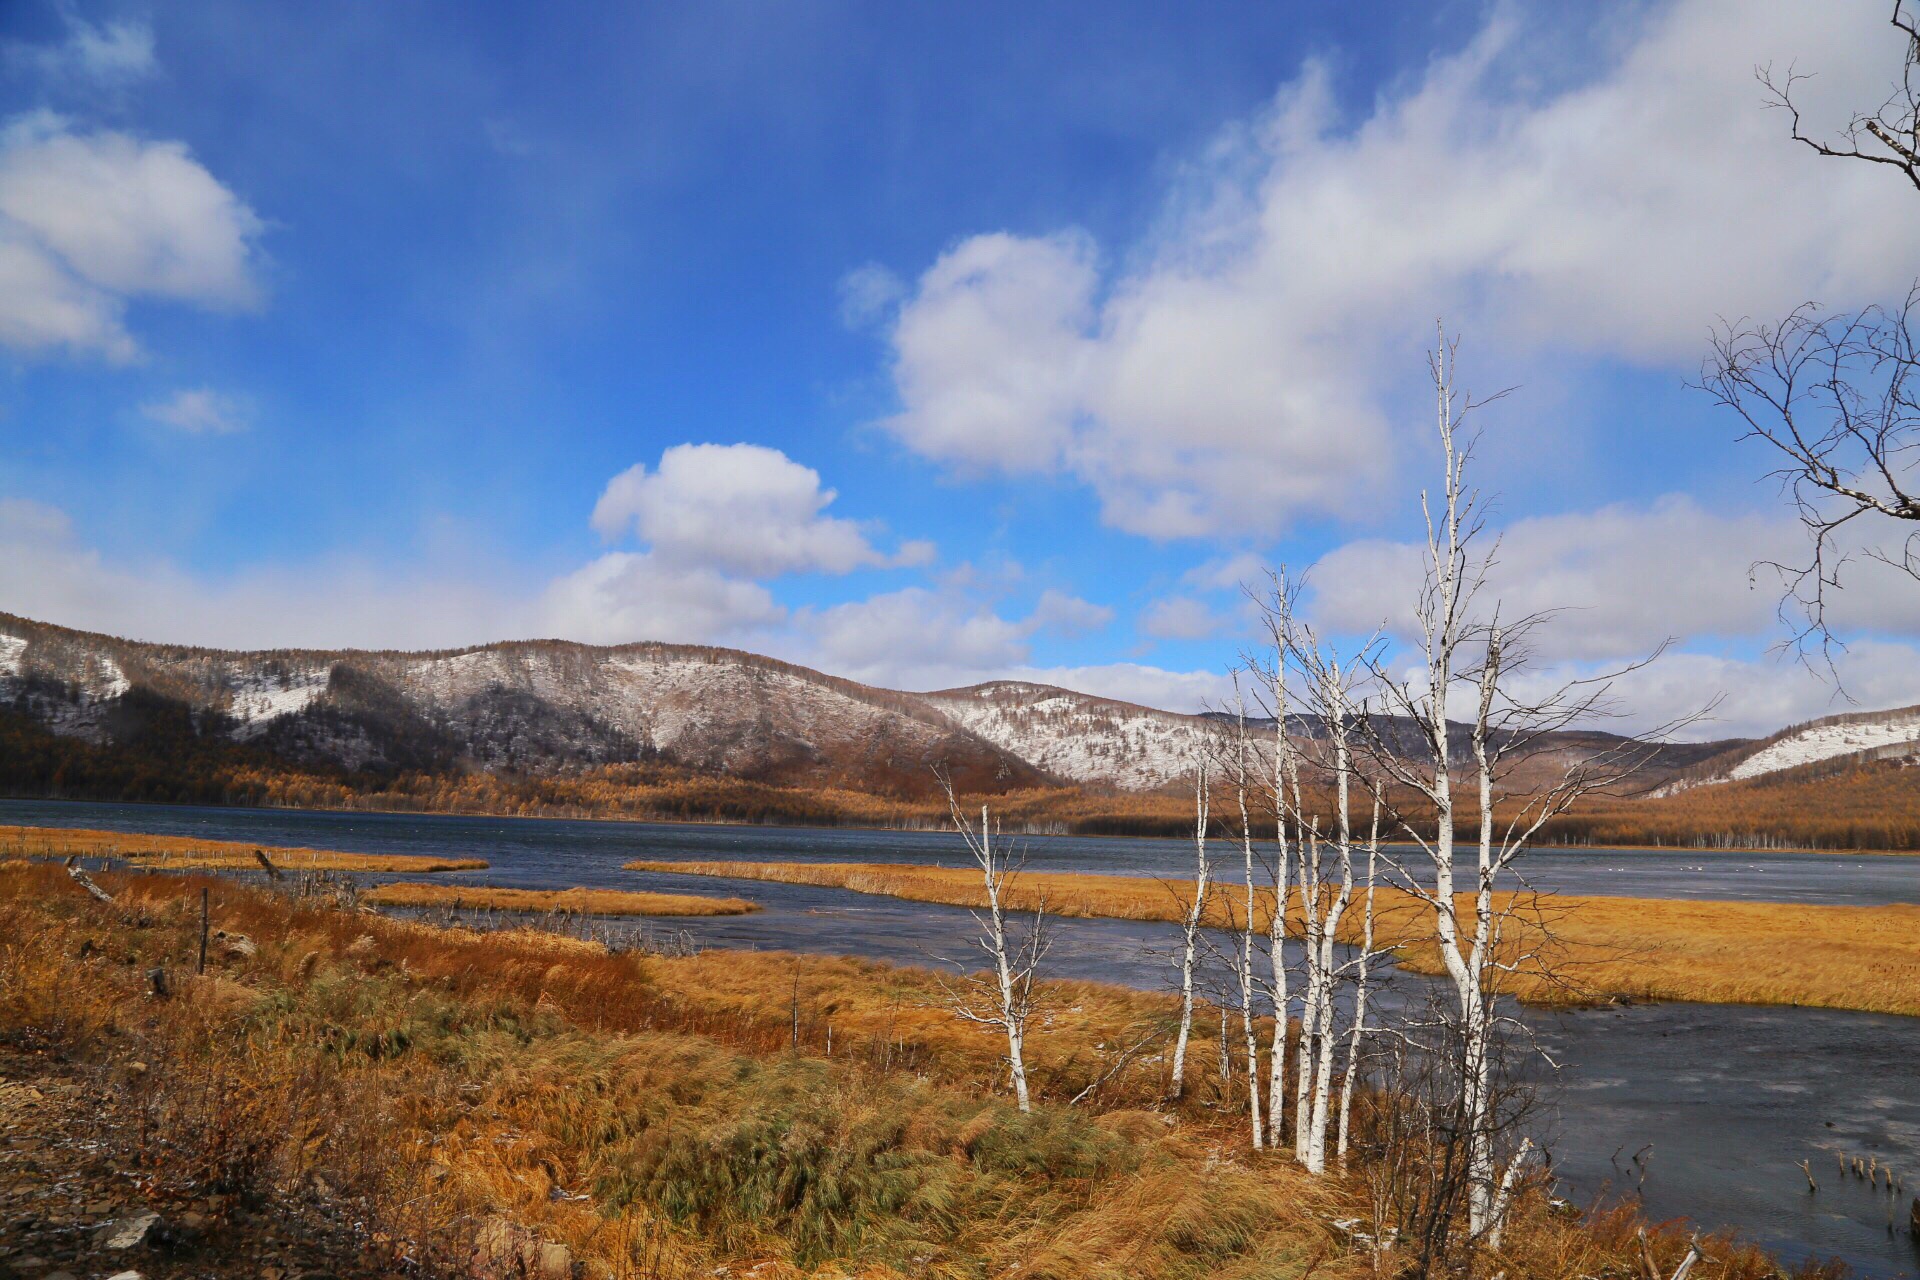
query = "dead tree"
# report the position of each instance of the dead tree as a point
(1465, 648)
(1363, 972)
(1191, 921)
(1887, 135)
(1837, 400)
(1243, 968)
(1008, 998)
(85, 881)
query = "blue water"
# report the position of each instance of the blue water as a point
(546, 847)
(1719, 1102)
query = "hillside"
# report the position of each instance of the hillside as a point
(678, 731)
(521, 707)
(1859, 737)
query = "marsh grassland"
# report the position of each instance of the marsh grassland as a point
(464, 1097)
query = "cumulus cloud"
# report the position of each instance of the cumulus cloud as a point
(911, 638)
(49, 572)
(741, 508)
(1067, 615)
(1239, 370)
(200, 411)
(1180, 618)
(1618, 581)
(91, 220)
(625, 596)
(1148, 686)
(990, 352)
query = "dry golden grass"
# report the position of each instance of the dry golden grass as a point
(186, 853)
(592, 902)
(675, 1118)
(1865, 958)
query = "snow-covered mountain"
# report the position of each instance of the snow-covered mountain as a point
(529, 706)
(540, 706)
(1859, 735)
(1076, 736)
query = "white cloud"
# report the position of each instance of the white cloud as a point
(89, 221)
(1241, 369)
(200, 411)
(106, 55)
(625, 596)
(1623, 579)
(1235, 573)
(1747, 697)
(867, 293)
(1067, 615)
(913, 638)
(1189, 691)
(740, 508)
(928, 638)
(1180, 618)
(989, 353)
(49, 573)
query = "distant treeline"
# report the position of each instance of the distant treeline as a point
(164, 758)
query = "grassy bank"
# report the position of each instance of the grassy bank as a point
(592, 902)
(464, 1096)
(185, 853)
(1865, 958)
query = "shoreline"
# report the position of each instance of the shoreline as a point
(793, 825)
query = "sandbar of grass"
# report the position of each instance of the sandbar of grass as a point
(593, 902)
(187, 853)
(1834, 957)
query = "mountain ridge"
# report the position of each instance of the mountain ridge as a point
(536, 706)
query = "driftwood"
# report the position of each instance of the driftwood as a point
(85, 881)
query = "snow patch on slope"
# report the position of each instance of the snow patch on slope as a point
(261, 697)
(11, 648)
(1824, 742)
(1076, 737)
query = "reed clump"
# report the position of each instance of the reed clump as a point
(1580, 949)
(187, 853)
(592, 902)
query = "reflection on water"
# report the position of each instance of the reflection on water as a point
(1721, 1103)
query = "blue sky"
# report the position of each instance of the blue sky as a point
(949, 342)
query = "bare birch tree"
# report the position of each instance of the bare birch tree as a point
(1008, 1002)
(1190, 923)
(1363, 972)
(1243, 970)
(1465, 647)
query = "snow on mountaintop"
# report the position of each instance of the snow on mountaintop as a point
(1826, 739)
(1077, 736)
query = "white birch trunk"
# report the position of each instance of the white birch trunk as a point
(1361, 989)
(1191, 926)
(1258, 1131)
(1012, 1012)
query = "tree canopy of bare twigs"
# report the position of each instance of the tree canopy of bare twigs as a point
(1837, 398)
(1885, 135)
(1833, 393)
